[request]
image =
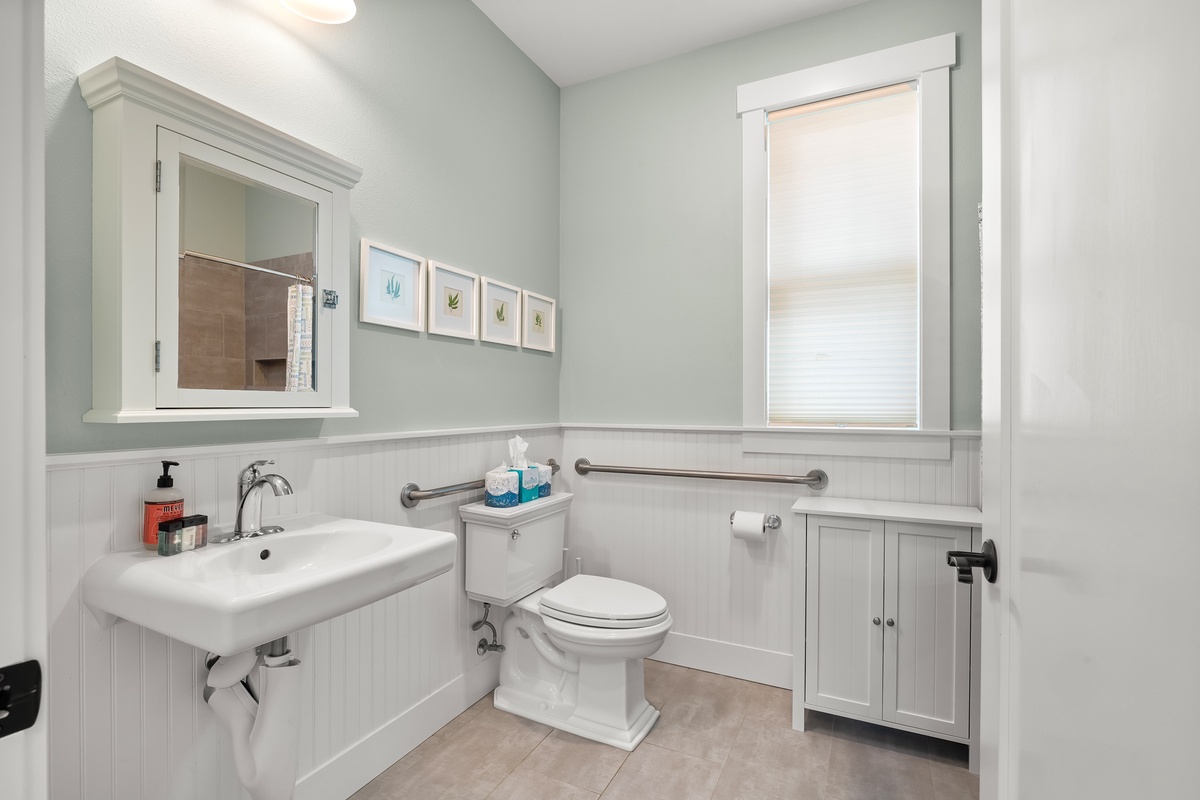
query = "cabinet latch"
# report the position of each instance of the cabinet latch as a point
(331, 298)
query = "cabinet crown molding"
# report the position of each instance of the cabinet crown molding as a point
(117, 78)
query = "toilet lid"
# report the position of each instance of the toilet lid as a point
(603, 602)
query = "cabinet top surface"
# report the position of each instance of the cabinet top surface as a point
(886, 509)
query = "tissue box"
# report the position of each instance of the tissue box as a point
(545, 473)
(529, 482)
(501, 489)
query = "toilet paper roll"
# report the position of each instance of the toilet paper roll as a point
(750, 526)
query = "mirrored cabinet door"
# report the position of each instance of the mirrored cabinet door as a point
(241, 248)
(216, 242)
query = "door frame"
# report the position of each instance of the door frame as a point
(996, 450)
(23, 625)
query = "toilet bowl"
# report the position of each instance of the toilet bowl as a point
(573, 652)
(573, 658)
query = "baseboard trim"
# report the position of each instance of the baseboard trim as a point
(355, 767)
(725, 658)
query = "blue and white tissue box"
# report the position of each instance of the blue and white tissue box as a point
(529, 482)
(501, 488)
(545, 473)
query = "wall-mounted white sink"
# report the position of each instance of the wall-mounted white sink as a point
(227, 597)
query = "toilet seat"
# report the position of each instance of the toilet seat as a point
(596, 602)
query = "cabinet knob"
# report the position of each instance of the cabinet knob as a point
(875, 620)
(891, 623)
(516, 534)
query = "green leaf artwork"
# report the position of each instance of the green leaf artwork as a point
(394, 288)
(501, 311)
(539, 322)
(452, 300)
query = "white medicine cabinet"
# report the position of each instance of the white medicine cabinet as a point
(220, 260)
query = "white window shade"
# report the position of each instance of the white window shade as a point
(843, 339)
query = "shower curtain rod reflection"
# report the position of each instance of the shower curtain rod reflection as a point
(816, 479)
(243, 265)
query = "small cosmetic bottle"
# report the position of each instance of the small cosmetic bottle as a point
(180, 535)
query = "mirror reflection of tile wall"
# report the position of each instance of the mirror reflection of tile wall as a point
(233, 323)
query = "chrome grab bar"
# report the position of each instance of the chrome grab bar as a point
(412, 494)
(817, 479)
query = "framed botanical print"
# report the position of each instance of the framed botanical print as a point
(391, 287)
(453, 301)
(538, 321)
(499, 312)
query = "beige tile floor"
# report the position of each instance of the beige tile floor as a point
(718, 739)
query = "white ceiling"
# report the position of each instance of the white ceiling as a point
(577, 40)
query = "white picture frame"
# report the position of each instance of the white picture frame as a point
(499, 312)
(391, 287)
(538, 321)
(453, 301)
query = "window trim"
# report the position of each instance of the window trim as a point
(928, 62)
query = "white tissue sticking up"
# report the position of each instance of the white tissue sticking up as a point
(516, 452)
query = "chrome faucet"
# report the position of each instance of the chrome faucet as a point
(249, 511)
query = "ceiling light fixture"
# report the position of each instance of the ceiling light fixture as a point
(331, 12)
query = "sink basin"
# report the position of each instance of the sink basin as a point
(227, 597)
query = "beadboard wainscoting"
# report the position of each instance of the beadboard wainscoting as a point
(127, 721)
(731, 600)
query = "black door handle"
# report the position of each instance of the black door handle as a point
(964, 562)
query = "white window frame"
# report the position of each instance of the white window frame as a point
(928, 63)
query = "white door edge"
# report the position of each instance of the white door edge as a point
(23, 631)
(996, 448)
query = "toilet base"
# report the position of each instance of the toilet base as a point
(563, 717)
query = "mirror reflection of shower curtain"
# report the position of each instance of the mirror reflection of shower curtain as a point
(300, 338)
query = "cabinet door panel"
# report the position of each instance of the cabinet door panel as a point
(926, 653)
(844, 655)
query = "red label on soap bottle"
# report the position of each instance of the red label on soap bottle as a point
(156, 513)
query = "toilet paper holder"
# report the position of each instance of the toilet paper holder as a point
(771, 521)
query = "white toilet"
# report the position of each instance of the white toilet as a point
(573, 653)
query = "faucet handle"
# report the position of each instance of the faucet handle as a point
(248, 474)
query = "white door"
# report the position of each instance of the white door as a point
(844, 657)
(22, 403)
(927, 629)
(1091, 451)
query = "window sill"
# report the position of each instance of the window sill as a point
(857, 442)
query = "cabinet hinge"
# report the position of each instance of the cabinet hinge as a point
(158, 356)
(331, 298)
(158, 176)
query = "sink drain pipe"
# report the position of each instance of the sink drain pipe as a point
(264, 726)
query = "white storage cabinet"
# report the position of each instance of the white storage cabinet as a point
(888, 628)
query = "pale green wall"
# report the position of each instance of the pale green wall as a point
(456, 132)
(212, 214)
(277, 224)
(459, 136)
(651, 217)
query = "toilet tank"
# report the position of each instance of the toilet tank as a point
(514, 551)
